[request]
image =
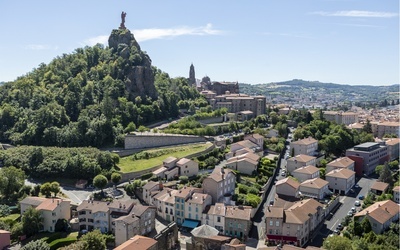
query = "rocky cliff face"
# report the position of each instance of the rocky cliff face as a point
(138, 74)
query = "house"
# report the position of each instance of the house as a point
(386, 128)
(295, 224)
(238, 221)
(101, 214)
(214, 216)
(150, 187)
(306, 173)
(356, 126)
(314, 188)
(342, 162)
(140, 221)
(180, 206)
(244, 163)
(170, 162)
(379, 187)
(139, 243)
(287, 187)
(244, 144)
(393, 148)
(367, 156)
(272, 133)
(306, 146)
(5, 239)
(51, 209)
(380, 215)
(187, 167)
(396, 194)
(341, 180)
(300, 161)
(220, 184)
(164, 201)
(257, 139)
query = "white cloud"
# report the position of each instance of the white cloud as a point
(150, 34)
(40, 47)
(357, 13)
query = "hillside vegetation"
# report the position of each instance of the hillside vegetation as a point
(88, 97)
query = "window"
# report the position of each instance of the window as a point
(271, 223)
(239, 226)
(197, 209)
(190, 208)
(190, 215)
(277, 223)
(54, 214)
(218, 219)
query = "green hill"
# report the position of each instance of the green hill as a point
(88, 97)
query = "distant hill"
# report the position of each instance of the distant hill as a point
(341, 92)
(88, 97)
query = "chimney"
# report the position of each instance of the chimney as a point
(386, 209)
(120, 205)
(58, 202)
(52, 200)
(160, 185)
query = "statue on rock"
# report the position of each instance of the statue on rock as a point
(123, 15)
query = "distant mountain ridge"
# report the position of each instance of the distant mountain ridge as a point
(341, 92)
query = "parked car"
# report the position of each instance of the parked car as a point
(339, 227)
(361, 197)
(350, 213)
(357, 203)
(337, 232)
(356, 186)
(353, 209)
(271, 202)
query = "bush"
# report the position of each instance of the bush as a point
(146, 176)
(243, 189)
(4, 210)
(253, 190)
(61, 225)
(183, 179)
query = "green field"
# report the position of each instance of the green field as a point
(10, 217)
(127, 164)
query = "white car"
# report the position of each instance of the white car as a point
(357, 203)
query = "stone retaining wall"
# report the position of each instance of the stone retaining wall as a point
(154, 140)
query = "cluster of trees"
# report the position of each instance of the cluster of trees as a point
(51, 162)
(210, 159)
(332, 138)
(80, 99)
(265, 170)
(359, 236)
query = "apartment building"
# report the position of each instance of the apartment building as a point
(151, 187)
(367, 156)
(340, 117)
(341, 180)
(386, 128)
(299, 161)
(220, 183)
(380, 215)
(180, 205)
(306, 173)
(101, 214)
(238, 221)
(51, 210)
(339, 163)
(214, 216)
(393, 148)
(140, 221)
(314, 188)
(164, 201)
(306, 146)
(195, 205)
(240, 102)
(295, 224)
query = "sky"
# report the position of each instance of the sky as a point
(352, 42)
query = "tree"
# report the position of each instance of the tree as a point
(11, 181)
(116, 177)
(385, 174)
(93, 240)
(55, 188)
(337, 243)
(46, 189)
(367, 127)
(100, 181)
(36, 245)
(366, 225)
(31, 221)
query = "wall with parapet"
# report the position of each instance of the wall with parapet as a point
(153, 140)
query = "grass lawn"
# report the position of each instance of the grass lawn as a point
(126, 164)
(10, 217)
(55, 240)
